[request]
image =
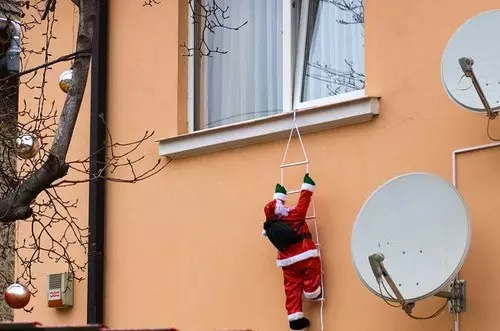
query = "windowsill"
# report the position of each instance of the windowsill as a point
(346, 110)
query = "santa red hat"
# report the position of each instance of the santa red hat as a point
(275, 207)
(279, 193)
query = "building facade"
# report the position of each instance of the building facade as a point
(184, 248)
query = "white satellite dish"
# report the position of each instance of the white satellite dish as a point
(476, 40)
(418, 225)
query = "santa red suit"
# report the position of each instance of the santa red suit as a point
(299, 259)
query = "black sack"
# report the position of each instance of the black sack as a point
(281, 234)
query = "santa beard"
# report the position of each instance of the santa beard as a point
(281, 210)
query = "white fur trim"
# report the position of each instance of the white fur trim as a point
(297, 258)
(312, 295)
(307, 187)
(295, 316)
(280, 196)
(264, 233)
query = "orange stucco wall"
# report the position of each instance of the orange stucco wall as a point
(184, 248)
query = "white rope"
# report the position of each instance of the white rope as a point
(313, 216)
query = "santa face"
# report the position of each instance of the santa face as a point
(281, 210)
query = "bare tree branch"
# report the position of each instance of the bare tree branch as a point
(338, 81)
(50, 5)
(348, 79)
(150, 2)
(69, 57)
(208, 16)
(354, 7)
(32, 190)
(16, 205)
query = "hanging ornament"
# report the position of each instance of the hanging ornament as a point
(27, 145)
(65, 80)
(17, 296)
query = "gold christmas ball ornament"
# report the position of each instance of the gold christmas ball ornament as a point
(65, 80)
(27, 145)
(17, 296)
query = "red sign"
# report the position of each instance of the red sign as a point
(54, 294)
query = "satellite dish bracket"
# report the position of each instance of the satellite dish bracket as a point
(466, 64)
(456, 296)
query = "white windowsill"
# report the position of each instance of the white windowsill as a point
(345, 111)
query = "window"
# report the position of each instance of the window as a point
(269, 57)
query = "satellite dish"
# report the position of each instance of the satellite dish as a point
(418, 225)
(473, 51)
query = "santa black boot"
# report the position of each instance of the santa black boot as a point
(300, 324)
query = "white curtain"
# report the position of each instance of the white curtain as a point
(246, 82)
(335, 48)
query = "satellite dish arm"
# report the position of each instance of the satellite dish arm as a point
(379, 270)
(456, 295)
(466, 64)
(444, 294)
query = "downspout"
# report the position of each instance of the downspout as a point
(98, 106)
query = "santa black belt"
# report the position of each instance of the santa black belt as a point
(301, 237)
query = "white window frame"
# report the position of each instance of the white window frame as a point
(293, 68)
(191, 79)
(299, 72)
(314, 115)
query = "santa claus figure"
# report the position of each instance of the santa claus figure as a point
(298, 256)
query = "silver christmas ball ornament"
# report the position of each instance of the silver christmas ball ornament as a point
(27, 145)
(17, 296)
(65, 80)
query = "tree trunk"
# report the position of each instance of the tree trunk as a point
(16, 205)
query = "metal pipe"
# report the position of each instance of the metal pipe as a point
(98, 107)
(443, 294)
(455, 184)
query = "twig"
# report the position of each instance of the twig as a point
(68, 57)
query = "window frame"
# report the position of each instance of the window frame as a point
(191, 107)
(317, 115)
(294, 50)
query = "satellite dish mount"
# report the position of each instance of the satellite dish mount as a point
(455, 296)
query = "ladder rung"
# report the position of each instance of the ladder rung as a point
(313, 300)
(294, 191)
(286, 165)
(310, 217)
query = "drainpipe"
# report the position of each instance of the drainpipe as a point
(98, 105)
